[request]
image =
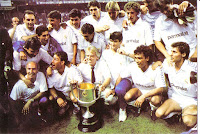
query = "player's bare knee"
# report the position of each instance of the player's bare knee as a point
(155, 100)
(127, 97)
(159, 113)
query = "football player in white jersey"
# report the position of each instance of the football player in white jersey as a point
(148, 84)
(65, 37)
(59, 82)
(26, 102)
(175, 26)
(137, 31)
(112, 21)
(27, 30)
(95, 14)
(34, 52)
(183, 91)
(91, 38)
(75, 23)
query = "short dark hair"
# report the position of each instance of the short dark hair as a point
(132, 5)
(41, 29)
(183, 47)
(94, 3)
(116, 36)
(87, 28)
(55, 14)
(74, 13)
(63, 56)
(146, 50)
(33, 43)
(28, 12)
(161, 4)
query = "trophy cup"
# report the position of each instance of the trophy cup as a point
(87, 97)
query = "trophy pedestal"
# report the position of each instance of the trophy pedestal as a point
(89, 124)
(90, 121)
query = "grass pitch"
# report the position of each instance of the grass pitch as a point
(133, 125)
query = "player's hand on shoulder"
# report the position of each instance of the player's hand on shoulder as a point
(144, 9)
(121, 51)
(28, 83)
(63, 25)
(124, 24)
(157, 64)
(49, 71)
(182, 7)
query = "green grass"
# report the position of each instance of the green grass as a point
(133, 125)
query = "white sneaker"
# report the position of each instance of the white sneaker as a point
(122, 115)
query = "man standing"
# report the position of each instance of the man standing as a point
(65, 37)
(75, 23)
(27, 30)
(27, 102)
(15, 22)
(137, 32)
(112, 22)
(48, 43)
(183, 92)
(91, 38)
(95, 14)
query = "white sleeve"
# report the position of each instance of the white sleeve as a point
(15, 93)
(157, 36)
(50, 82)
(45, 56)
(160, 78)
(165, 66)
(126, 72)
(42, 81)
(16, 61)
(148, 35)
(20, 32)
(75, 74)
(105, 70)
(73, 37)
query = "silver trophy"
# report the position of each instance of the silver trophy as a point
(87, 96)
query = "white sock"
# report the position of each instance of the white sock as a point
(153, 107)
(170, 115)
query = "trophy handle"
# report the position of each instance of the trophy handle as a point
(73, 86)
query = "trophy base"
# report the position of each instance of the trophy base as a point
(89, 124)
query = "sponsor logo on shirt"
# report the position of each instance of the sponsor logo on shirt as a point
(146, 86)
(177, 35)
(178, 87)
(63, 43)
(134, 41)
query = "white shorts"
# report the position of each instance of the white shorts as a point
(183, 101)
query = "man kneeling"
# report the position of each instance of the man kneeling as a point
(27, 102)
(148, 83)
